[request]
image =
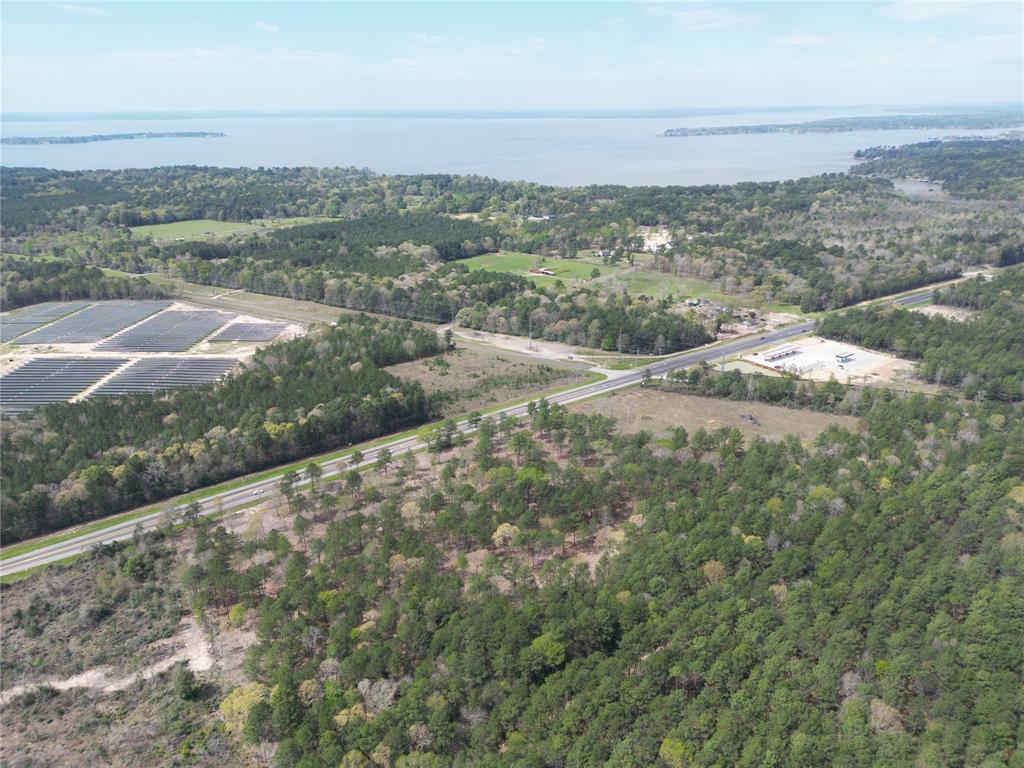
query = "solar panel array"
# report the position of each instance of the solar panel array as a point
(51, 380)
(156, 373)
(249, 332)
(94, 323)
(172, 331)
(21, 321)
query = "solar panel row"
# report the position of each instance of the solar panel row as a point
(172, 331)
(51, 380)
(94, 323)
(14, 324)
(243, 331)
(154, 374)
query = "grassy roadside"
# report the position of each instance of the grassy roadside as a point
(10, 578)
(421, 432)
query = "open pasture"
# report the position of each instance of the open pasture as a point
(202, 229)
(190, 230)
(521, 264)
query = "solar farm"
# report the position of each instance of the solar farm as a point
(30, 318)
(65, 351)
(156, 373)
(51, 380)
(242, 331)
(171, 331)
(93, 323)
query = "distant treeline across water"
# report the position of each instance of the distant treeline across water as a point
(110, 137)
(878, 123)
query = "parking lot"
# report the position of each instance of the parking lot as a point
(821, 359)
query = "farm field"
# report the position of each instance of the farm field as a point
(647, 409)
(521, 263)
(191, 229)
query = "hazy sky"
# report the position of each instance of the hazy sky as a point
(510, 55)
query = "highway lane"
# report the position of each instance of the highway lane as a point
(262, 489)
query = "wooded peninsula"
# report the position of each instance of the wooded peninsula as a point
(111, 137)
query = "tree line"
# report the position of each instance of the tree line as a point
(25, 281)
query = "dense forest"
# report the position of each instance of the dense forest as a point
(377, 245)
(973, 168)
(618, 323)
(984, 355)
(70, 462)
(853, 602)
(26, 281)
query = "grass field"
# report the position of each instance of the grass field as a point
(639, 409)
(658, 285)
(522, 263)
(471, 379)
(192, 229)
(207, 228)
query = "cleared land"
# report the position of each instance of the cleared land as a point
(959, 314)
(191, 229)
(208, 228)
(466, 380)
(654, 411)
(659, 285)
(521, 264)
(257, 304)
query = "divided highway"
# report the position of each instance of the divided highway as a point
(237, 497)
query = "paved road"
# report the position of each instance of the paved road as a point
(250, 492)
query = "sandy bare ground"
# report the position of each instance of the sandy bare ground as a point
(960, 314)
(188, 644)
(543, 350)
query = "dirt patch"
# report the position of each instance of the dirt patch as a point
(960, 314)
(546, 350)
(656, 412)
(469, 379)
(108, 611)
(189, 644)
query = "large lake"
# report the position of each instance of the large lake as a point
(555, 150)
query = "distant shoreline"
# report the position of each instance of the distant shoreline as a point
(987, 121)
(507, 114)
(23, 140)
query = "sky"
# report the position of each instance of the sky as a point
(152, 56)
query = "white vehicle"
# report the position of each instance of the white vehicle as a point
(258, 492)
